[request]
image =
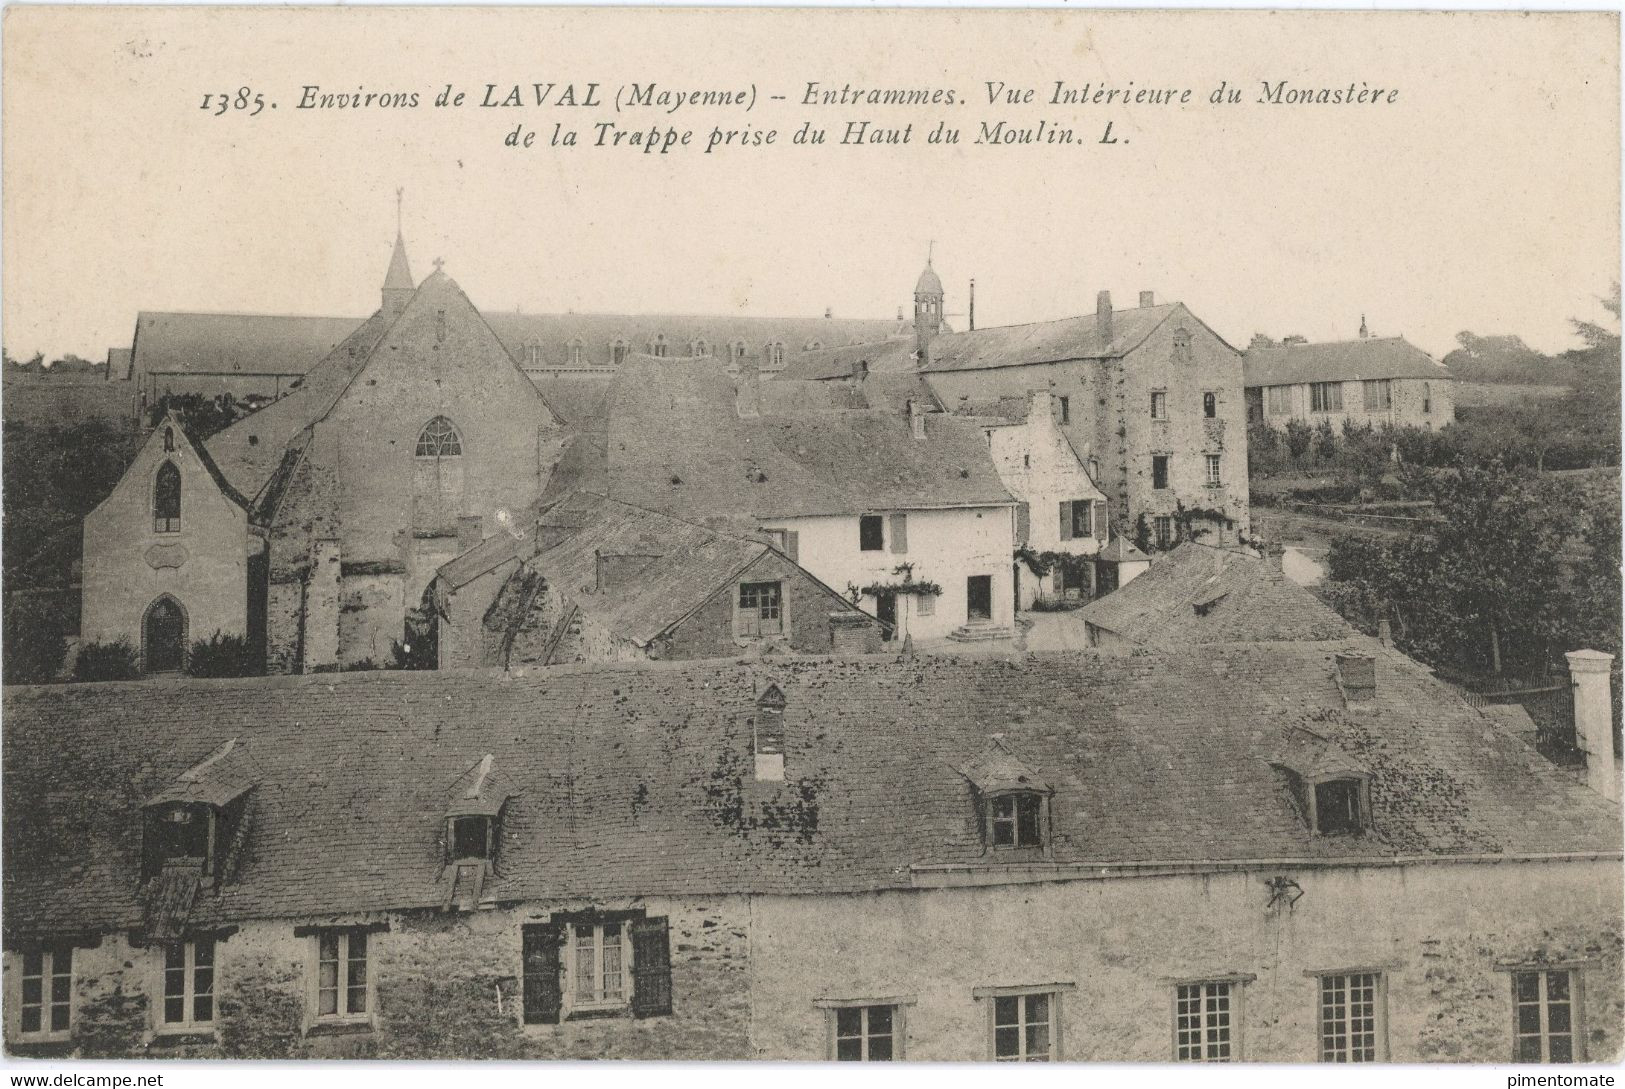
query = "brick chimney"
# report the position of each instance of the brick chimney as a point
(916, 419)
(1594, 719)
(1103, 315)
(1148, 299)
(1357, 675)
(747, 389)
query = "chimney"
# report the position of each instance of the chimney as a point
(1357, 675)
(1385, 633)
(470, 531)
(1039, 404)
(916, 419)
(973, 306)
(747, 391)
(899, 313)
(1148, 299)
(829, 312)
(1589, 673)
(1103, 315)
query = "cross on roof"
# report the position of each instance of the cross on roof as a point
(438, 261)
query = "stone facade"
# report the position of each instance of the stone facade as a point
(1105, 409)
(1413, 402)
(1443, 936)
(199, 560)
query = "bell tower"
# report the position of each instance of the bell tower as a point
(398, 285)
(928, 299)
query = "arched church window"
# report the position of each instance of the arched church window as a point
(439, 439)
(169, 440)
(775, 353)
(166, 499)
(617, 351)
(163, 636)
(575, 352)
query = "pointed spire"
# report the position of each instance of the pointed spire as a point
(400, 272)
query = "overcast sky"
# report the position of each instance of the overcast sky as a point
(1485, 198)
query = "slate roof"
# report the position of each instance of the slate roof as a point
(889, 392)
(1197, 594)
(1342, 360)
(180, 342)
(884, 357)
(638, 780)
(1047, 341)
(677, 444)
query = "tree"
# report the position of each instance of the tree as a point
(1486, 587)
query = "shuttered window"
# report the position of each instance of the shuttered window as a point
(899, 532)
(592, 964)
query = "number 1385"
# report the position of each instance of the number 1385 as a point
(244, 99)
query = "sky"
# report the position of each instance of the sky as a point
(1486, 197)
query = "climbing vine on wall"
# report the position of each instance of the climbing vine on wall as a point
(1042, 563)
(907, 585)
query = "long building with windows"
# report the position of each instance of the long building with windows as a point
(1372, 381)
(1249, 850)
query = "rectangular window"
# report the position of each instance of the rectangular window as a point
(1378, 394)
(1337, 807)
(1017, 820)
(189, 984)
(1159, 470)
(1352, 1025)
(925, 604)
(1545, 1007)
(871, 537)
(1326, 397)
(1163, 526)
(1278, 400)
(341, 975)
(761, 609)
(1083, 521)
(1202, 1022)
(1023, 1028)
(1159, 405)
(471, 837)
(597, 960)
(866, 1033)
(1213, 470)
(46, 1006)
(1066, 410)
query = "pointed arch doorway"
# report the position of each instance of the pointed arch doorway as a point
(163, 636)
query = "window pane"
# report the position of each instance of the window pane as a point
(880, 1049)
(203, 1008)
(1526, 986)
(1005, 1011)
(849, 1049)
(880, 1018)
(1037, 1041)
(849, 1021)
(1529, 1019)
(1529, 1049)
(586, 963)
(59, 1017)
(33, 990)
(1027, 815)
(1557, 986)
(1557, 1018)
(612, 961)
(1038, 1007)
(174, 1008)
(1007, 1043)
(1561, 1049)
(31, 1017)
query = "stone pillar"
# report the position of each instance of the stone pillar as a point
(1594, 719)
(322, 607)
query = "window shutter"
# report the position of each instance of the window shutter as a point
(1100, 521)
(544, 988)
(651, 967)
(792, 545)
(899, 532)
(1066, 520)
(1024, 523)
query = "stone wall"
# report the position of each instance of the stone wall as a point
(1414, 402)
(709, 632)
(128, 564)
(1438, 932)
(444, 986)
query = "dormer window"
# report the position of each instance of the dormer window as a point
(471, 838)
(194, 827)
(1012, 801)
(1017, 819)
(767, 737)
(1339, 807)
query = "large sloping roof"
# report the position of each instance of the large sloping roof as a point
(677, 444)
(178, 342)
(1047, 341)
(637, 780)
(882, 357)
(1201, 594)
(553, 333)
(1341, 360)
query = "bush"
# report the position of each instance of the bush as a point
(33, 650)
(106, 662)
(221, 656)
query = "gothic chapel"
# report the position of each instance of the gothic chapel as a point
(313, 526)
